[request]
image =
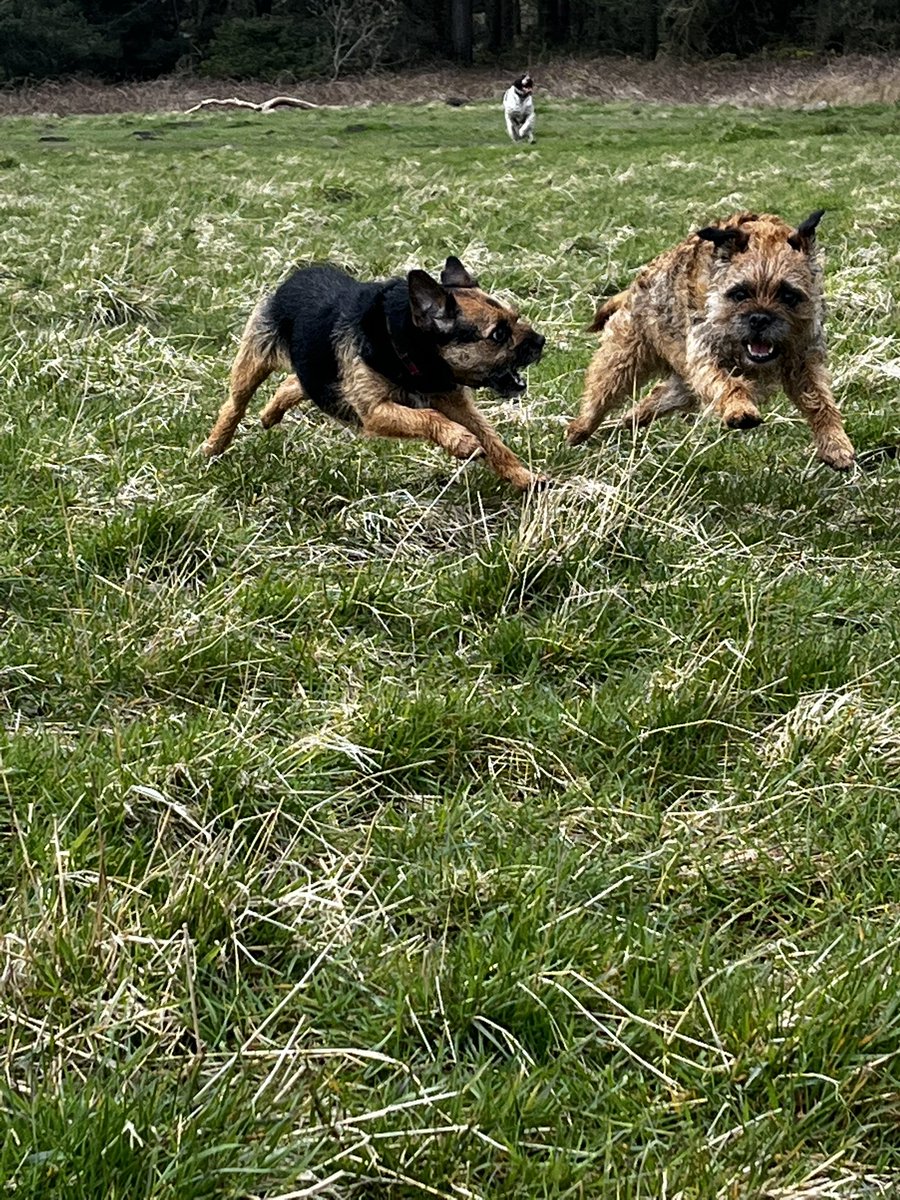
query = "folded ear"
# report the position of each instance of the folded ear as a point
(455, 274)
(433, 309)
(730, 240)
(805, 234)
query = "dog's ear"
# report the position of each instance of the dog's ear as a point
(730, 240)
(433, 309)
(455, 274)
(805, 234)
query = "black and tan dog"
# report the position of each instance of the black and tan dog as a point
(394, 358)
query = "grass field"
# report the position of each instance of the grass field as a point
(370, 831)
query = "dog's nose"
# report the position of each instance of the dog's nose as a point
(533, 346)
(759, 322)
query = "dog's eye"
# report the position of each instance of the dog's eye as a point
(738, 294)
(790, 297)
(499, 334)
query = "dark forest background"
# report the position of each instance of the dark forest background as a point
(284, 40)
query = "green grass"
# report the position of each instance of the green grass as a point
(370, 831)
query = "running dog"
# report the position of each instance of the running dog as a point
(395, 358)
(518, 109)
(726, 317)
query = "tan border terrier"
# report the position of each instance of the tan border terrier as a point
(727, 317)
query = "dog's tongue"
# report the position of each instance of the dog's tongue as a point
(760, 349)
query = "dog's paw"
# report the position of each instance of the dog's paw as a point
(577, 433)
(527, 481)
(540, 483)
(837, 453)
(742, 416)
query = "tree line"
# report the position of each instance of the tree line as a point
(283, 40)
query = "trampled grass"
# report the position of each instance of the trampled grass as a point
(370, 831)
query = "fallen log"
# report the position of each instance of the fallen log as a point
(266, 106)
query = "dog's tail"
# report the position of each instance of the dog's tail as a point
(263, 336)
(608, 308)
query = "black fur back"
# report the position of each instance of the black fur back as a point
(320, 313)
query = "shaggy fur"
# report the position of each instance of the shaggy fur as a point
(727, 317)
(395, 358)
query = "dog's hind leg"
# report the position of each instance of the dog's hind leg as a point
(668, 396)
(622, 364)
(256, 359)
(289, 394)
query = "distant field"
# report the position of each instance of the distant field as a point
(786, 81)
(370, 831)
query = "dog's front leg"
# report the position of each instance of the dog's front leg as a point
(808, 385)
(731, 397)
(389, 419)
(380, 415)
(459, 407)
(527, 129)
(510, 127)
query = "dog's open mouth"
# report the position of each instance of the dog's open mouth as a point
(506, 382)
(760, 352)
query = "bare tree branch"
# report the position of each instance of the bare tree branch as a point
(359, 31)
(266, 106)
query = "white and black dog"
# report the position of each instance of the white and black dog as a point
(518, 109)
